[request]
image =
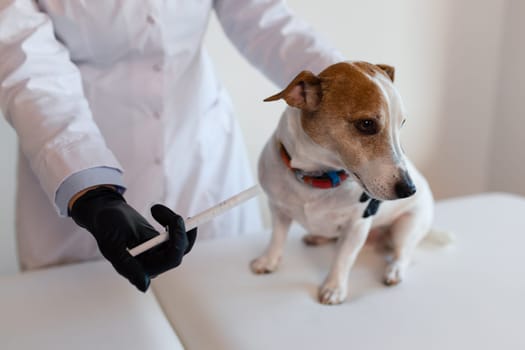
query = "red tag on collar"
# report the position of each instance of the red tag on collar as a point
(325, 181)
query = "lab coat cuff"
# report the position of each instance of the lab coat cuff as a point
(84, 179)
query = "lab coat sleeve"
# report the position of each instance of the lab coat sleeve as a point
(273, 39)
(85, 179)
(41, 96)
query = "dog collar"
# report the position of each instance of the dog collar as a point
(329, 179)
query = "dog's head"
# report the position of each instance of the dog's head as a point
(353, 109)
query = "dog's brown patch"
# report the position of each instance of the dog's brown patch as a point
(372, 69)
(349, 95)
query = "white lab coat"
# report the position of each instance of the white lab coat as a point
(126, 84)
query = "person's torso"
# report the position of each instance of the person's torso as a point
(149, 83)
(154, 95)
(105, 32)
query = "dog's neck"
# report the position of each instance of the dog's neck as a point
(305, 154)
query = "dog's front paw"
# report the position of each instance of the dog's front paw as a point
(332, 294)
(264, 264)
(394, 274)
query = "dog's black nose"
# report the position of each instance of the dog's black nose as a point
(405, 188)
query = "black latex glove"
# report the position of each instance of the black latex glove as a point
(117, 226)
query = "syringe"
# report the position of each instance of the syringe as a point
(201, 218)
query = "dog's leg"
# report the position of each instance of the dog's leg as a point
(405, 233)
(335, 287)
(269, 261)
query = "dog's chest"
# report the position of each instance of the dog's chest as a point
(328, 221)
(330, 213)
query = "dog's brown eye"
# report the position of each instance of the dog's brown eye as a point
(367, 126)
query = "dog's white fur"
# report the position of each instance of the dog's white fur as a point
(337, 212)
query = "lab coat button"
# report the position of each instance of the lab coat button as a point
(150, 19)
(158, 160)
(156, 115)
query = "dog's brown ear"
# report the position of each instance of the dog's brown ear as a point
(389, 70)
(303, 92)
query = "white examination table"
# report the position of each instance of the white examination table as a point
(469, 295)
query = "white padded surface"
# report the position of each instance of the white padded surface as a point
(85, 306)
(467, 296)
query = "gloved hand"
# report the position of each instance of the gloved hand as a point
(117, 226)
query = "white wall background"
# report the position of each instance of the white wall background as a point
(507, 161)
(7, 195)
(459, 69)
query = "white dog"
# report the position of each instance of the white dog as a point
(334, 157)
